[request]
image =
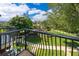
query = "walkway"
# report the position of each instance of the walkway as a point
(25, 53)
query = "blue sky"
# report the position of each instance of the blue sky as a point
(42, 6)
(36, 11)
(38, 6)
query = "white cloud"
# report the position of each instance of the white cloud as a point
(40, 14)
(34, 11)
(50, 11)
(43, 12)
(39, 17)
(8, 10)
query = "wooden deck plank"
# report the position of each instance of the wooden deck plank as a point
(25, 53)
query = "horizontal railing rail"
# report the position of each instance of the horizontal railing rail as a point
(38, 43)
(59, 35)
(46, 44)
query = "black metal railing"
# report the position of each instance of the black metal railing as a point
(38, 43)
(46, 44)
(12, 43)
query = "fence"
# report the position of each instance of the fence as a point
(38, 43)
(6, 28)
(12, 41)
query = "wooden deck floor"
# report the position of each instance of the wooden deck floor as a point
(25, 53)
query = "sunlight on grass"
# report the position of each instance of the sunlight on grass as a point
(61, 32)
(1, 30)
(49, 41)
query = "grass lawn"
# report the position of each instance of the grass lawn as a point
(61, 32)
(52, 41)
(1, 30)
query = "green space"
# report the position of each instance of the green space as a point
(61, 32)
(51, 41)
(2, 30)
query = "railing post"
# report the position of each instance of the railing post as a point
(25, 40)
(0, 41)
(78, 50)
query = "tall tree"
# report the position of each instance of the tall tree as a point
(65, 16)
(21, 22)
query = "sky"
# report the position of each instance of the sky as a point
(35, 11)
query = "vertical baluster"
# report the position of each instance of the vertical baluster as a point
(19, 43)
(0, 42)
(50, 42)
(56, 45)
(25, 39)
(10, 44)
(5, 41)
(52, 46)
(21, 36)
(35, 45)
(13, 39)
(9, 37)
(22, 42)
(39, 45)
(72, 48)
(42, 43)
(36, 49)
(48, 45)
(15, 42)
(60, 47)
(65, 47)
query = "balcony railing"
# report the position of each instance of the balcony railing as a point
(38, 43)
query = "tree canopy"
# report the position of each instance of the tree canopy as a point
(63, 17)
(20, 22)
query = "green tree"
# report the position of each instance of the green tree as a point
(65, 16)
(20, 22)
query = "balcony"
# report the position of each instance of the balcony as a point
(29, 42)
